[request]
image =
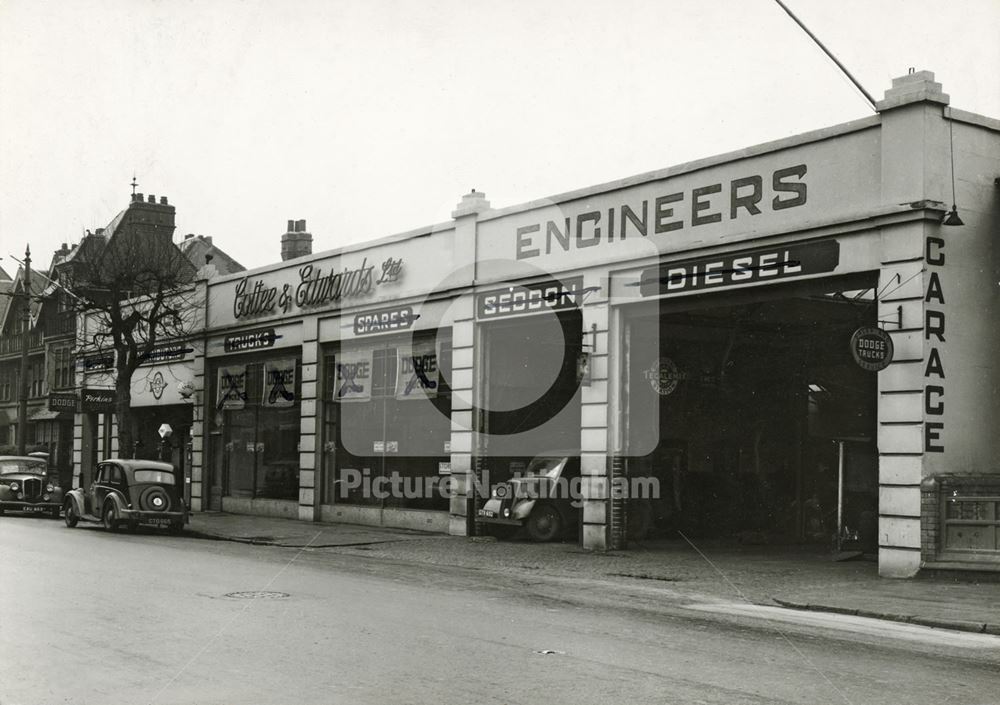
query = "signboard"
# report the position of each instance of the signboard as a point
(93, 363)
(417, 373)
(279, 384)
(62, 402)
(97, 400)
(232, 387)
(537, 297)
(871, 348)
(384, 320)
(250, 340)
(169, 352)
(165, 430)
(315, 287)
(748, 267)
(353, 376)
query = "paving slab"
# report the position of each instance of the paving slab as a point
(272, 531)
(801, 577)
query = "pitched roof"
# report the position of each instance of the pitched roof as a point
(196, 247)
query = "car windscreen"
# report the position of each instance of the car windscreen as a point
(160, 477)
(23, 465)
(545, 466)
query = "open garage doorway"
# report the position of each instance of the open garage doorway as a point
(751, 412)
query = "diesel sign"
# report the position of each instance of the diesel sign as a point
(740, 268)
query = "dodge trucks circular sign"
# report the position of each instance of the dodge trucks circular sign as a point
(871, 348)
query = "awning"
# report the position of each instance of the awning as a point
(44, 414)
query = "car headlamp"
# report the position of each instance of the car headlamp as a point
(50, 487)
(506, 513)
(45, 497)
(14, 487)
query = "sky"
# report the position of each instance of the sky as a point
(368, 118)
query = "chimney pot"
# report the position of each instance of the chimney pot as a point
(300, 226)
(152, 198)
(163, 201)
(291, 226)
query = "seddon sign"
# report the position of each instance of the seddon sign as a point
(314, 288)
(537, 297)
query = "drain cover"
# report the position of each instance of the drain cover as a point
(257, 595)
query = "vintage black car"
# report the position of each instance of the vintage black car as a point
(544, 500)
(25, 486)
(132, 493)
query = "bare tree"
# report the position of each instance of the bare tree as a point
(135, 290)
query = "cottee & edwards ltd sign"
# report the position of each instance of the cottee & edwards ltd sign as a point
(314, 288)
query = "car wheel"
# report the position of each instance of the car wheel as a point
(110, 517)
(545, 523)
(69, 514)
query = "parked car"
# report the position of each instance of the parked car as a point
(542, 500)
(25, 485)
(132, 493)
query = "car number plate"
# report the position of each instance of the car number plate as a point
(488, 513)
(35, 508)
(159, 521)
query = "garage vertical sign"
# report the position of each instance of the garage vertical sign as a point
(934, 334)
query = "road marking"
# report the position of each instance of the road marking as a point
(851, 623)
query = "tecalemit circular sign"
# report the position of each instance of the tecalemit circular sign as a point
(663, 376)
(871, 348)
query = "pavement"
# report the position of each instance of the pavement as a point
(795, 577)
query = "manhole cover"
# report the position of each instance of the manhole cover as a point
(257, 595)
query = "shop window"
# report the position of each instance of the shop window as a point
(395, 434)
(260, 428)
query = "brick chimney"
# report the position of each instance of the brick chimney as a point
(150, 212)
(296, 242)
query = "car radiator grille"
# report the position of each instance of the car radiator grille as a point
(32, 488)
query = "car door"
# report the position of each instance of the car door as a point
(106, 481)
(91, 499)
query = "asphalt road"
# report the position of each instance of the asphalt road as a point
(91, 617)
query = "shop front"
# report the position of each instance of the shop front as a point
(386, 444)
(255, 379)
(327, 386)
(777, 337)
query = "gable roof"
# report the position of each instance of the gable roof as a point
(196, 247)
